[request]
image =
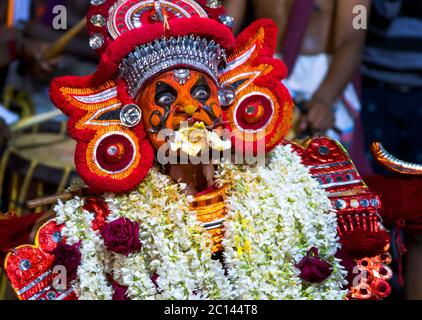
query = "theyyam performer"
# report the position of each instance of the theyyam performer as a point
(174, 86)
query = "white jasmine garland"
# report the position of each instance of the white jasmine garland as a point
(174, 246)
(91, 283)
(275, 214)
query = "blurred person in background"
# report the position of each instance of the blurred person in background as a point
(15, 47)
(392, 69)
(322, 50)
(392, 107)
(26, 36)
(28, 62)
(28, 76)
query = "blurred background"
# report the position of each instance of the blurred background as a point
(355, 73)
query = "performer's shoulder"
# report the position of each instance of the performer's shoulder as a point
(331, 165)
(319, 151)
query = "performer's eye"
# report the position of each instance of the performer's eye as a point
(201, 93)
(166, 99)
(165, 95)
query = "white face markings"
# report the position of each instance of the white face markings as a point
(181, 75)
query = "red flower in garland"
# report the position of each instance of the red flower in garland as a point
(154, 279)
(122, 236)
(69, 257)
(120, 292)
(313, 268)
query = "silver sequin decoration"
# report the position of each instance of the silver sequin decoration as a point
(341, 204)
(374, 202)
(51, 295)
(364, 203)
(227, 20)
(97, 2)
(57, 237)
(98, 20)
(130, 115)
(96, 41)
(24, 265)
(226, 95)
(213, 4)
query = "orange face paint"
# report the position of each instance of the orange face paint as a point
(177, 96)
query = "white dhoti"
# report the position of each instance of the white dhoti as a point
(308, 74)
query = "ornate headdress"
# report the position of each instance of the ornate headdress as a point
(153, 58)
(139, 39)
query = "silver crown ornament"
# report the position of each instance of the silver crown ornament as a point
(148, 60)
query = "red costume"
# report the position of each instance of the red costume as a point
(151, 51)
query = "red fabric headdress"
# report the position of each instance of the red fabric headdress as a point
(139, 39)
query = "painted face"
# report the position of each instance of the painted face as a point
(177, 96)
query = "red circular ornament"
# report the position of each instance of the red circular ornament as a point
(114, 152)
(129, 15)
(381, 288)
(254, 112)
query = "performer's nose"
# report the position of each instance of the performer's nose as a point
(190, 109)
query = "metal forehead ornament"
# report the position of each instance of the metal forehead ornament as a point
(181, 75)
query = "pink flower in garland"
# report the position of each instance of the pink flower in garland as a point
(313, 269)
(122, 236)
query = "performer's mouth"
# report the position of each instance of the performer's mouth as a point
(189, 122)
(195, 137)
